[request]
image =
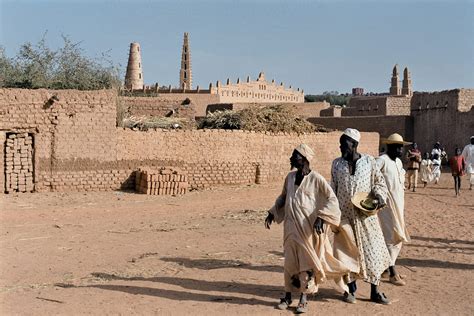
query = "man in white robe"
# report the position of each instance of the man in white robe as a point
(468, 153)
(359, 241)
(392, 218)
(306, 204)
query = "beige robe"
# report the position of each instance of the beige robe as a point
(392, 218)
(298, 207)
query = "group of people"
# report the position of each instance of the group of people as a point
(364, 209)
(429, 166)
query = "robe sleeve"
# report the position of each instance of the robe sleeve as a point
(378, 181)
(327, 207)
(278, 210)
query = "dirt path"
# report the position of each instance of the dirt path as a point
(208, 253)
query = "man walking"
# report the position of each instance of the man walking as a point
(306, 205)
(359, 241)
(468, 153)
(392, 217)
(414, 159)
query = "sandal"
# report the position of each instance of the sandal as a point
(349, 298)
(302, 308)
(284, 304)
(380, 298)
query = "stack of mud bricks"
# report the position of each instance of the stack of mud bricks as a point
(19, 163)
(163, 181)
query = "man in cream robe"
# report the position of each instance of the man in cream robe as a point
(307, 203)
(468, 153)
(392, 218)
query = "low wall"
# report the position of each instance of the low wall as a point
(77, 146)
(384, 125)
(212, 157)
(157, 106)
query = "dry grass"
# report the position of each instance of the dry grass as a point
(144, 123)
(260, 119)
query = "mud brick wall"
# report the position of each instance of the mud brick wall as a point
(200, 101)
(366, 106)
(77, 146)
(398, 105)
(73, 131)
(157, 106)
(384, 125)
(446, 116)
(213, 157)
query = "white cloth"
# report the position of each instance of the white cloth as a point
(359, 241)
(392, 218)
(352, 133)
(299, 207)
(306, 151)
(425, 170)
(468, 153)
(436, 169)
(436, 151)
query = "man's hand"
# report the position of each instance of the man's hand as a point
(379, 200)
(269, 220)
(319, 225)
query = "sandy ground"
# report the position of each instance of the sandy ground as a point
(208, 253)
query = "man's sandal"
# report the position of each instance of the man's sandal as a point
(302, 308)
(380, 298)
(349, 298)
(397, 279)
(284, 304)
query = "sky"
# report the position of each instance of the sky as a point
(313, 45)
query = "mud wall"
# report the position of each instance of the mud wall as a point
(77, 146)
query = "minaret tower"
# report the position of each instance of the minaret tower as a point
(185, 73)
(395, 87)
(407, 88)
(134, 74)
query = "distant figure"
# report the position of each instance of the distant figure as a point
(307, 206)
(444, 157)
(392, 218)
(468, 154)
(436, 168)
(414, 159)
(436, 150)
(426, 169)
(457, 164)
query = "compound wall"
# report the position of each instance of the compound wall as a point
(446, 116)
(77, 146)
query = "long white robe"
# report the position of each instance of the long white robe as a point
(298, 207)
(425, 170)
(392, 219)
(468, 153)
(359, 241)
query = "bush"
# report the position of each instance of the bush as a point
(37, 66)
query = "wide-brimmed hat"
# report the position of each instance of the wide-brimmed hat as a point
(364, 202)
(395, 139)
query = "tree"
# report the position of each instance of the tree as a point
(37, 66)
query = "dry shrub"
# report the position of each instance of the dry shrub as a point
(277, 118)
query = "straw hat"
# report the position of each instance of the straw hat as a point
(395, 139)
(364, 202)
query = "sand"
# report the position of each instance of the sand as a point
(207, 252)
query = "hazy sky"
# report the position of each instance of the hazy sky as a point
(313, 45)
